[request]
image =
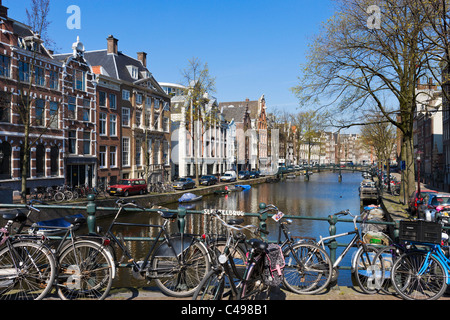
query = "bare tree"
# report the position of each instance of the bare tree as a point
(30, 73)
(353, 65)
(199, 85)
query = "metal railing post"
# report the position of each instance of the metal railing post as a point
(91, 209)
(332, 220)
(181, 219)
(262, 219)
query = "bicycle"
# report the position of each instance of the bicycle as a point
(27, 268)
(422, 274)
(177, 265)
(296, 277)
(314, 262)
(224, 281)
(84, 270)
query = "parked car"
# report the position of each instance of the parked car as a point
(184, 183)
(412, 203)
(208, 180)
(228, 176)
(254, 174)
(432, 203)
(126, 187)
(244, 174)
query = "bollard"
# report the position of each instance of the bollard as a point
(181, 219)
(91, 209)
(262, 219)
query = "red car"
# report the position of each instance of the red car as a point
(126, 187)
(412, 204)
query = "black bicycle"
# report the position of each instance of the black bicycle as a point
(177, 264)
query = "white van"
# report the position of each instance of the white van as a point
(228, 176)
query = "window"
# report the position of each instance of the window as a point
(86, 110)
(148, 101)
(102, 157)
(39, 76)
(138, 118)
(112, 157)
(125, 152)
(126, 95)
(54, 118)
(87, 142)
(72, 107)
(39, 112)
(5, 107)
(40, 160)
(138, 152)
(102, 119)
(126, 117)
(139, 98)
(156, 104)
(112, 101)
(53, 80)
(79, 80)
(102, 99)
(72, 142)
(54, 161)
(5, 64)
(112, 125)
(5, 161)
(24, 71)
(166, 123)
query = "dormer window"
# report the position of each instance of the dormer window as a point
(134, 72)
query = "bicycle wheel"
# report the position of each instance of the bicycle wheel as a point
(58, 197)
(85, 272)
(387, 256)
(253, 286)
(27, 271)
(179, 277)
(419, 276)
(214, 286)
(238, 252)
(368, 271)
(308, 268)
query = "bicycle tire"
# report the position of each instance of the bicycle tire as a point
(368, 271)
(181, 281)
(411, 285)
(85, 272)
(34, 274)
(68, 195)
(214, 286)
(308, 268)
(58, 197)
(238, 252)
(387, 257)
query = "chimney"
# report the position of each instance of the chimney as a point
(142, 57)
(3, 10)
(112, 45)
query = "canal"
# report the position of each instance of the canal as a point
(321, 196)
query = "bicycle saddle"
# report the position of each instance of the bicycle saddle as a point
(258, 244)
(19, 216)
(235, 221)
(168, 215)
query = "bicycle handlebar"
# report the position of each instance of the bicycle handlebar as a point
(123, 203)
(238, 227)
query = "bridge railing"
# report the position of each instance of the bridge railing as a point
(92, 210)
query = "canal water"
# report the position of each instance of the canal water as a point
(321, 196)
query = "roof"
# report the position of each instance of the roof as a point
(233, 112)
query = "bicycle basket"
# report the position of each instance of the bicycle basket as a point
(420, 231)
(273, 265)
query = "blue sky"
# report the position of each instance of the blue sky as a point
(252, 47)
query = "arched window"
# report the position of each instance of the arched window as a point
(54, 161)
(5, 161)
(40, 161)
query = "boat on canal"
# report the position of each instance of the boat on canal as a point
(189, 197)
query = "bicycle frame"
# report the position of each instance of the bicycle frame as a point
(141, 268)
(437, 252)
